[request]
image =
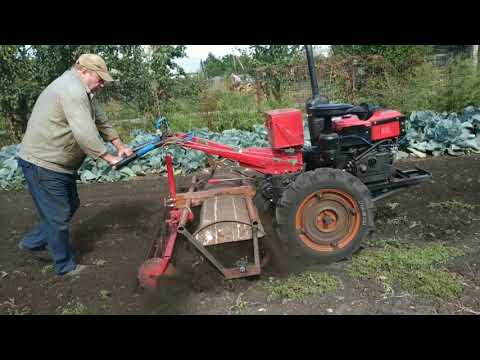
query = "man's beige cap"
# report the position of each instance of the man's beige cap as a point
(95, 63)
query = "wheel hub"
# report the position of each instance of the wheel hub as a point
(328, 219)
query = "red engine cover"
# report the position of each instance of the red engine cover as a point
(384, 124)
(285, 128)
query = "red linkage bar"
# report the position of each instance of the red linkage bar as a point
(151, 269)
(264, 160)
(171, 179)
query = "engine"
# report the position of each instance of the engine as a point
(358, 139)
(361, 143)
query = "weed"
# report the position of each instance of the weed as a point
(12, 308)
(18, 184)
(398, 220)
(417, 270)
(297, 287)
(392, 206)
(386, 213)
(105, 294)
(441, 284)
(381, 243)
(99, 262)
(47, 268)
(239, 305)
(453, 205)
(243, 261)
(74, 308)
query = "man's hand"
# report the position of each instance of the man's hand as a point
(124, 151)
(121, 148)
(111, 159)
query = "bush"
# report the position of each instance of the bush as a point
(460, 88)
(426, 87)
(418, 90)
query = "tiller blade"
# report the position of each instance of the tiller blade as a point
(158, 263)
(228, 215)
(158, 257)
(151, 269)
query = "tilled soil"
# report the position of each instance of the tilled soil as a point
(117, 222)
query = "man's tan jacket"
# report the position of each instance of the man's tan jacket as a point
(65, 126)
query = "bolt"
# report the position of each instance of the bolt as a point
(327, 220)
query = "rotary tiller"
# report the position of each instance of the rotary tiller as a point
(321, 196)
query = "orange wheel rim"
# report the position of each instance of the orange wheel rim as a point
(328, 220)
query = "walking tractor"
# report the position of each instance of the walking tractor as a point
(321, 197)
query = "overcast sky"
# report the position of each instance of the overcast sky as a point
(196, 53)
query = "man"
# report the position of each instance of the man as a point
(63, 128)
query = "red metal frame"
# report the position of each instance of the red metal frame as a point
(151, 269)
(171, 179)
(264, 160)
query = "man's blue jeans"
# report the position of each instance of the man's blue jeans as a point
(56, 198)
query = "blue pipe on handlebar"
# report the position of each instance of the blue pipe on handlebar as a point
(154, 139)
(145, 149)
(189, 136)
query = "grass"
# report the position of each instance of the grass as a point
(12, 308)
(381, 243)
(452, 205)
(74, 308)
(105, 294)
(297, 287)
(47, 269)
(420, 271)
(19, 184)
(398, 220)
(219, 111)
(216, 110)
(239, 305)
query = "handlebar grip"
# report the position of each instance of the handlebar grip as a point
(125, 161)
(138, 153)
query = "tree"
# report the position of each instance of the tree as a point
(212, 66)
(161, 75)
(26, 70)
(226, 65)
(272, 59)
(20, 84)
(403, 57)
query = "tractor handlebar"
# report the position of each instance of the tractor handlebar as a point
(163, 128)
(138, 152)
(125, 161)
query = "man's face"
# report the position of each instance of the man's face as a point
(93, 81)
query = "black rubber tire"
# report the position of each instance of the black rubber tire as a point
(300, 193)
(264, 206)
